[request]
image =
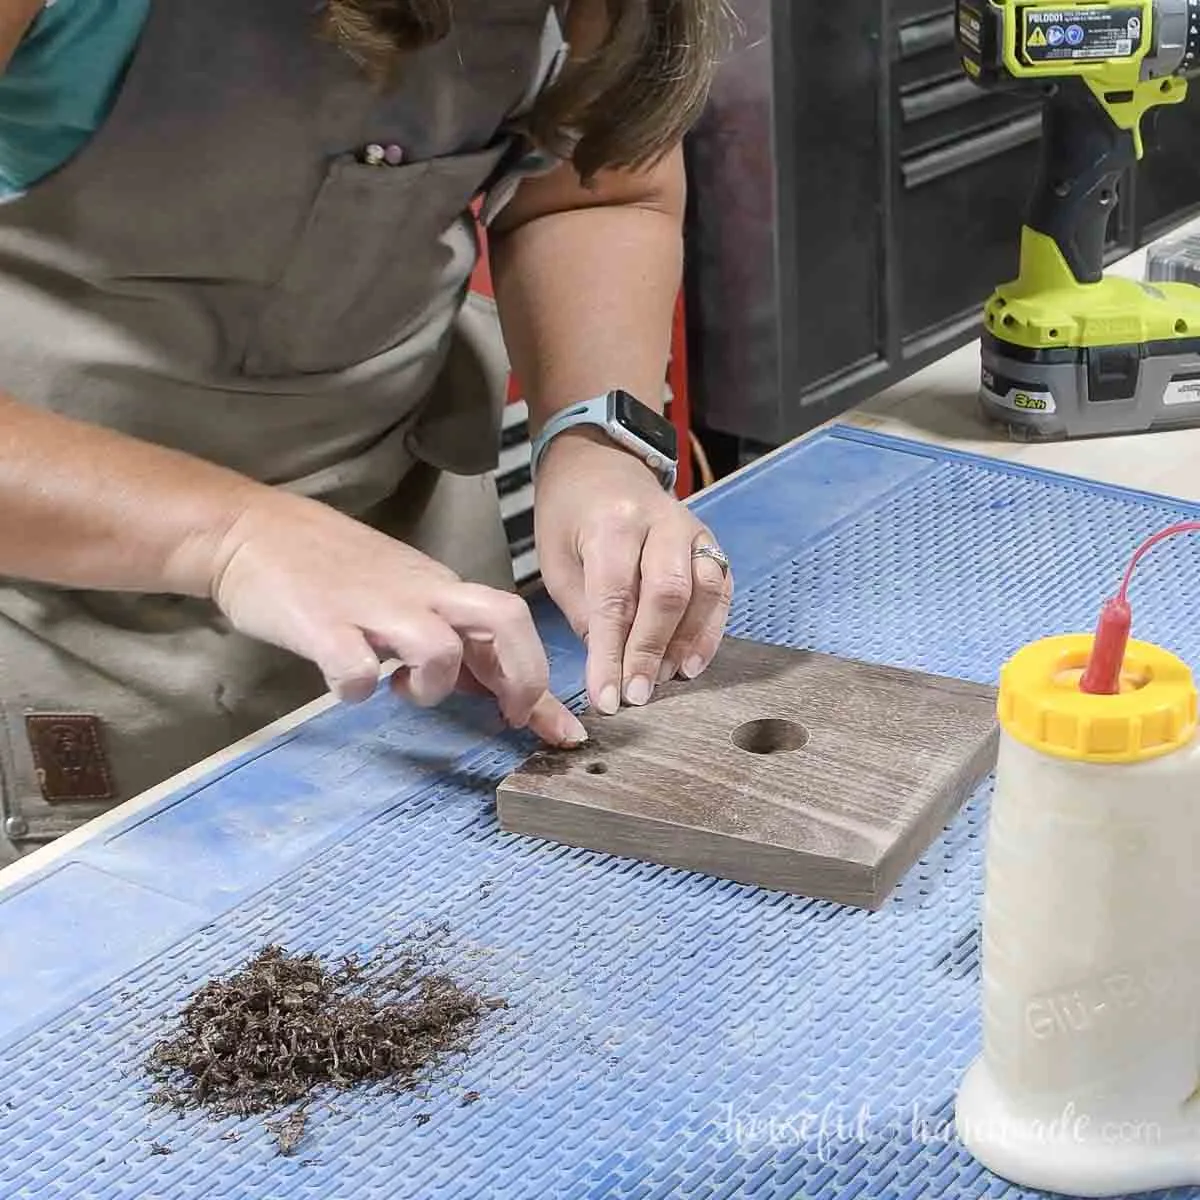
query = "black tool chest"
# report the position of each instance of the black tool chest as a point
(854, 200)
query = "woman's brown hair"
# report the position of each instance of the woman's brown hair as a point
(623, 106)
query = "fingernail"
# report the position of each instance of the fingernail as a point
(693, 666)
(610, 700)
(666, 671)
(573, 733)
(638, 689)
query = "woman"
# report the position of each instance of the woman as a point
(247, 412)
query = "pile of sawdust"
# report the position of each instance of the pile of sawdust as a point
(285, 1026)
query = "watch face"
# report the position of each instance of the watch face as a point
(646, 424)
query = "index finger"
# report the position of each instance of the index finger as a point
(555, 723)
(550, 719)
(503, 620)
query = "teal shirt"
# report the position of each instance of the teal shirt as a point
(61, 82)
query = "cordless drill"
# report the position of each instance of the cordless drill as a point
(1067, 352)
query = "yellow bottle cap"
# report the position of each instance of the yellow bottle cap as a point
(1040, 703)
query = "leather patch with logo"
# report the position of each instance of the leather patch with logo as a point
(68, 754)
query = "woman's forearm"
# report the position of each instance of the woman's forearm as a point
(586, 285)
(586, 299)
(82, 506)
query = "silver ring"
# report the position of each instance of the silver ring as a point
(718, 556)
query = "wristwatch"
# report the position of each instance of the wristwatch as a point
(628, 422)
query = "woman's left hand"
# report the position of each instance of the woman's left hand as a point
(616, 554)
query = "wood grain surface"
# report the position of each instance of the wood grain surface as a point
(787, 769)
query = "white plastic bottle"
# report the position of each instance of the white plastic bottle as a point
(1090, 1067)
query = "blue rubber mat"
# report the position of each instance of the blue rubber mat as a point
(668, 1034)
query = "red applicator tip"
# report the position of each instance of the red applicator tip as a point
(1103, 674)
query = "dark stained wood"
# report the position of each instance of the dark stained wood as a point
(851, 771)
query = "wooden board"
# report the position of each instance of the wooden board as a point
(788, 769)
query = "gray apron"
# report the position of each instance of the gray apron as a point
(219, 272)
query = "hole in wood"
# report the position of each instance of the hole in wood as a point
(597, 768)
(770, 735)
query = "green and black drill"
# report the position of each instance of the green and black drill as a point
(1066, 351)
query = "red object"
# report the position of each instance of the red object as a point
(481, 279)
(1103, 674)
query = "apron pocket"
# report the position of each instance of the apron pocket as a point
(384, 248)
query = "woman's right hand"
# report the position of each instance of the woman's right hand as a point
(302, 576)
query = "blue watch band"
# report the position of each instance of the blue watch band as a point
(591, 412)
(600, 412)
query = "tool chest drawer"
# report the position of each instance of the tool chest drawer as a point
(923, 44)
(1168, 178)
(934, 100)
(918, 10)
(949, 108)
(958, 223)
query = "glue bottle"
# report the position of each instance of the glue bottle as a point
(1088, 1079)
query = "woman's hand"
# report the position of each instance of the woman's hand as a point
(302, 576)
(615, 552)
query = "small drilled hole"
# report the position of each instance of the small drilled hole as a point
(597, 768)
(1181, 326)
(770, 735)
(1009, 320)
(1054, 333)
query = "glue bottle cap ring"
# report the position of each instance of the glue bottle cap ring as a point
(1041, 705)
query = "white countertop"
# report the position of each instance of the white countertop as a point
(938, 405)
